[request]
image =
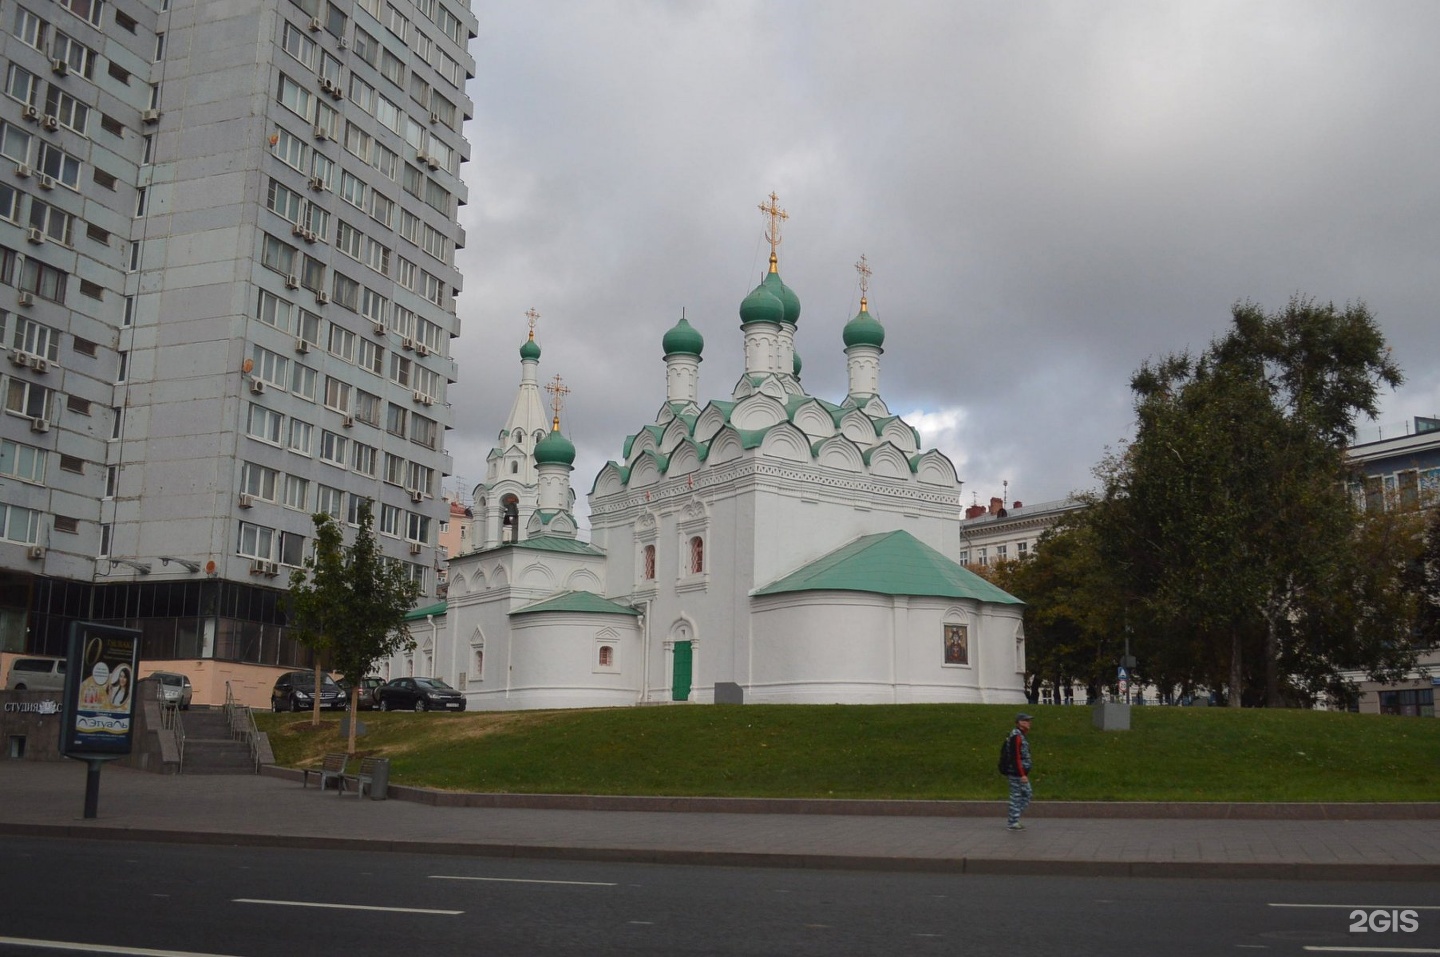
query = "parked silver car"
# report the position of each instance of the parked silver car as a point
(37, 674)
(174, 689)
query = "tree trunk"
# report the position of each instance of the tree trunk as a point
(1272, 661)
(353, 716)
(1236, 675)
(315, 703)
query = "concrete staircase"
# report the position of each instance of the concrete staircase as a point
(209, 746)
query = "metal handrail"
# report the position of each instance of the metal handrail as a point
(178, 724)
(240, 718)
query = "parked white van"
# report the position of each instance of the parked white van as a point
(36, 674)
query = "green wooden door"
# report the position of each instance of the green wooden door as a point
(680, 680)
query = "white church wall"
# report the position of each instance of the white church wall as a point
(552, 661)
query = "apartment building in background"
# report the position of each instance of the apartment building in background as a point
(227, 296)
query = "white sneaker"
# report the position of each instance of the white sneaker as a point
(1017, 826)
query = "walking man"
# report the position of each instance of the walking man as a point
(1017, 752)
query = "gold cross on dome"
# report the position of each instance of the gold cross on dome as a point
(863, 268)
(777, 216)
(532, 316)
(558, 391)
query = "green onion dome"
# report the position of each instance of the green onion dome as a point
(530, 350)
(683, 340)
(864, 330)
(762, 305)
(554, 449)
(796, 363)
(785, 294)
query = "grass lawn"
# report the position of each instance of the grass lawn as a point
(892, 751)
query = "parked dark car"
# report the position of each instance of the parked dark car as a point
(295, 691)
(366, 699)
(418, 694)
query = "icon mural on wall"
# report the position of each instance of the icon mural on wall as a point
(957, 644)
(100, 693)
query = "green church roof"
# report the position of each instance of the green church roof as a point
(578, 601)
(554, 449)
(890, 563)
(683, 339)
(417, 614)
(548, 544)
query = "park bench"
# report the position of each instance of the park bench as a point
(365, 777)
(332, 769)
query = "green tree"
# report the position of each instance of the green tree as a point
(1226, 522)
(349, 604)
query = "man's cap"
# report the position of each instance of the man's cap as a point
(1022, 716)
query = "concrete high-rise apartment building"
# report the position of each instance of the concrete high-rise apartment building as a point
(227, 289)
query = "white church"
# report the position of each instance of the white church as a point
(769, 546)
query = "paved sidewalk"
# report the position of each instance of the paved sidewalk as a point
(47, 799)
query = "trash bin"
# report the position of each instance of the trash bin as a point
(380, 779)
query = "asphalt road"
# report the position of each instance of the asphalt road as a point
(103, 896)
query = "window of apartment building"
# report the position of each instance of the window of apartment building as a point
(394, 469)
(327, 119)
(420, 478)
(372, 305)
(56, 224)
(396, 417)
(128, 319)
(392, 68)
(22, 85)
(295, 98)
(382, 208)
(97, 233)
(365, 46)
(385, 160)
(92, 290)
(290, 149)
(302, 435)
(35, 338)
(371, 357)
(335, 20)
(391, 520)
(79, 58)
(28, 399)
(404, 324)
(297, 493)
(295, 41)
(431, 336)
(277, 255)
(405, 273)
(322, 168)
(357, 142)
(259, 481)
(346, 292)
(117, 421)
(273, 311)
(15, 143)
(312, 273)
(71, 113)
(417, 528)
(264, 424)
(1022, 550)
(10, 203)
(424, 431)
(142, 195)
(316, 218)
(348, 239)
(44, 280)
(377, 256)
(334, 448)
(159, 47)
(331, 501)
(122, 372)
(123, 20)
(309, 326)
(352, 189)
(304, 381)
(112, 480)
(342, 342)
(284, 201)
(19, 524)
(337, 394)
(365, 459)
(23, 462)
(270, 367)
(30, 29)
(89, 10)
(256, 541)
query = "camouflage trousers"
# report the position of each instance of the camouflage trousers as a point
(1020, 792)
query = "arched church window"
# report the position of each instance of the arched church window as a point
(479, 662)
(647, 562)
(518, 436)
(697, 555)
(607, 656)
(510, 510)
(514, 467)
(539, 434)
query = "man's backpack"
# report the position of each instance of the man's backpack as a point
(1007, 757)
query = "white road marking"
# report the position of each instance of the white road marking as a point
(99, 948)
(392, 910)
(1376, 950)
(1366, 906)
(519, 880)
(644, 923)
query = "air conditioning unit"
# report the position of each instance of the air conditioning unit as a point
(297, 230)
(35, 234)
(36, 551)
(39, 424)
(316, 183)
(315, 25)
(378, 328)
(348, 421)
(422, 157)
(407, 343)
(338, 93)
(321, 296)
(433, 162)
(292, 282)
(302, 345)
(52, 122)
(150, 116)
(434, 117)
(308, 235)
(22, 169)
(59, 66)
(32, 114)
(47, 182)
(257, 386)
(327, 84)
(40, 363)
(414, 548)
(321, 133)
(416, 495)
(26, 299)
(246, 500)
(257, 566)
(270, 569)
(20, 357)
(421, 349)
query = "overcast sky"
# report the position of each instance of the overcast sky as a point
(1048, 195)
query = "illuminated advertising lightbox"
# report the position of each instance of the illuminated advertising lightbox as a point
(99, 712)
